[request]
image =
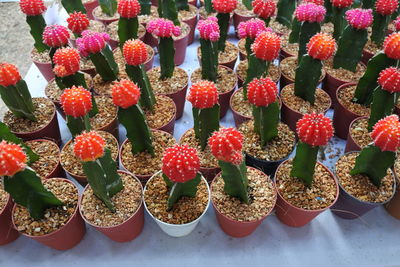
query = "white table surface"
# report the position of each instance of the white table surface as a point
(373, 240)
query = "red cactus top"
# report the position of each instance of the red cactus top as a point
(55, 36)
(128, 8)
(78, 22)
(67, 61)
(266, 46)
(125, 93)
(9, 74)
(262, 92)
(226, 145)
(341, 3)
(135, 52)
(209, 29)
(32, 7)
(92, 42)
(317, 2)
(12, 159)
(180, 163)
(224, 6)
(397, 24)
(314, 129)
(321, 46)
(264, 8)
(386, 133)
(391, 45)
(163, 28)
(89, 146)
(251, 28)
(389, 79)
(203, 94)
(76, 101)
(310, 12)
(386, 7)
(359, 18)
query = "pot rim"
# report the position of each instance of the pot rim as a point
(342, 81)
(107, 20)
(324, 72)
(38, 62)
(338, 100)
(53, 79)
(180, 89)
(244, 16)
(220, 66)
(147, 61)
(221, 63)
(194, 8)
(275, 81)
(173, 116)
(9, 199)
(350, 136)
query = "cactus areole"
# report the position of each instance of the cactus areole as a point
(128, 23)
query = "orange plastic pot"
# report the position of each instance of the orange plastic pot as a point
(7, 231)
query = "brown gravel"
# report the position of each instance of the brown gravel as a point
(107, 112)
(345, 98)
(53, 92)
(327, 28)
(278, 148)
(360, 185)
(359, 132)
(279, 28)
(3, 198)
(226, 79)
(184, 15)
(126, 203)
(119, 59)
(261, 192)
(243, 11)
(73, 165)
(98, 13)
(203, 14)
(273, 71)
(321, 104)
(86, 64)
(143, 19)
(143, 163)
(242, 46)
(49, 156)
(185, 210)
(396, 169)
(207, 160)
(343, 74)
(42, 57)
(112, 30)
(54, 218)
(230, 53)
(101, 87)
(289, 48)
(171, 85)
(185, 30)
(321, 194)
(288, 68)
(163, 112)
(240, 105)
(371, 47)
(94, 25)
(44, 111)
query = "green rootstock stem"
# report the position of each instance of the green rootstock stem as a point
(307, 76)
(105, 65)
(78, 125)
(328, 6)
(247, 4)
(167, 9)
(145, 7)
(307, 30)
(108, 7)
(368, 3)
(350, 48)
(208, 6)
(103, 178)
(127, 29)
(182, 5)
(37, 25)
(209, 60)
(368, 82)
(304, 163)
(27, 190)
(178, 190)
(248, 45)
(266, 121)
(139, 76)
(339, 21)
(379, 28)
(223, 23)
(206, 121)
(73, 5)
(374, 163)
(235, 179)
(137, 130)
(285, 12)
(256, 69)
(76, 79)
(382, 105)
(167, 53)
(266, 21)
(295, 33)
(18, 100)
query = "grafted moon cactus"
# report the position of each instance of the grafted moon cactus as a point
(223, 8)
(382, 16)
(12, 157)
(56, 36)
(128, 22)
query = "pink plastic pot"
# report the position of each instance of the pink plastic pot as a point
(68, 236)
(239, 18)
(351, 144)
(7, 231)
(192, 24)
(45, 68)
(89, 8)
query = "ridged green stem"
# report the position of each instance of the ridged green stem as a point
(206, 121)
(304, 163)
(295, 32)
(307, 30)
(339, 22)
(76, 79)
(247, 4)
(73, 5)
(139, 76)
(167, 53)
(208, 6)
(247, 45)
(209, 60)
(178, 190)
(182, 5)
(223, 23)
(145, 7)
(127, 29)
(109, 7)
(79, 124)
(328, 7)
(307, 77)
(379, 28)
(37, 25)
(105, 64)
(266, 120)
(383, 104)
(235, 179)
(368, 3)
(167, 9)
(256, 69)
(285, 12)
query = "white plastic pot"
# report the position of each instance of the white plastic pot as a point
(177, 230)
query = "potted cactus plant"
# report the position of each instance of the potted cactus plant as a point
(264, 9)
(242, 196)
(62, 228)
(382, 16)
(128, 22)
(178, 196)
(111, 202)
(106, 12)
(78, 22)
(369, 170)
(296, 179)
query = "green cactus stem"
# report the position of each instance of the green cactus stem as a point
(304, 163)
(103, 178)
(105, 65)
(350, 48)
(307, 77)
(73, 5)
(76, 79)
(256, 69)
(328, 6)
(368, 3)
(178, 190)
(356, 4)
(18, 100)
(137, 130)
(368, 82)
(307, 30)
(77, 125)
(27, 190)
(266, 121)
(339, 22)
(182, 5)
(285, 12)
(6, 134)
(139, 76)
(209, 60)
(208, 6)
(295, 32)
(223, 23)
(109, 7)
(37, 25)
(379, 28)
(248, 4)
(127, 29)
(206, 121)
(235, 179)
(249, 42)
(167, 53)
(145, 7)
(167, 9)
(374, 163)
(383, 104)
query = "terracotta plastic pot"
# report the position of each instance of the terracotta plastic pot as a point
(123, 232)
(89, 8)
(342, 117)
(7, 231)
(105, 21)
(149, 63)
(237, 228)
(393, 206)
(58, 171)
(192, 24)
(45, 68)
(67, 236)
(296, 217)
(351, 144)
